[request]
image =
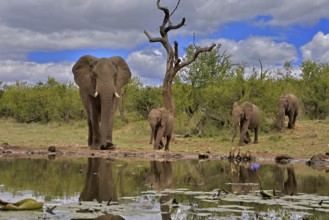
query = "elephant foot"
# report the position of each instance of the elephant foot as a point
(246, 141)
(109, 146)
(94, 147)
(241, 144)
(255, 142)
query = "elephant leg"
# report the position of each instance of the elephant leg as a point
(294, 120)
(87, 102)
(161, 144)
(291, 116)
(168, 137)
(247, 138)
(90, 133)
(243, 130)
(256, 135)
(158, 142)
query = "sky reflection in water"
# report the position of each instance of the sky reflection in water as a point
(147, 188)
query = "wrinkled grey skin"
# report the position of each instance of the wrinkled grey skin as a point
(287, 105)
(161, 123)
(100, 81)
(246, 115)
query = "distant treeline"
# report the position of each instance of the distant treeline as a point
(212, 83)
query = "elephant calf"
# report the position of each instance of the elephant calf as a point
(161, 123)
(246, 115)
(288, 105)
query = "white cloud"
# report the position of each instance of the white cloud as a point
(317, 49)
(47, 25)
(54, 25)
(252, 49)
(31, 72)
(149, 65)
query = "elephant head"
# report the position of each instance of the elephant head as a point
(156, 119)
(161, 123)
(241, 114)
(100, 81)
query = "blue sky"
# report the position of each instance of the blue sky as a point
(42, 38)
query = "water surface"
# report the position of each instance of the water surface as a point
(203, 189)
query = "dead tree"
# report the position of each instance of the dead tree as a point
(174, 63)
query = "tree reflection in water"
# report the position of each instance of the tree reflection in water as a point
(161, 177)
(244, 180)
(287, 183)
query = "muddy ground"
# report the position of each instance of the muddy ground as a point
(24, 151)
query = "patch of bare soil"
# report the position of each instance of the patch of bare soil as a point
(137, 154)
(22, 151)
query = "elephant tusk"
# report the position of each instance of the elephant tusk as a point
(117, 95)
(96, 94)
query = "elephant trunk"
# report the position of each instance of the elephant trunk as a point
(235, 126)
(106, 99)
(152, 133)
(281, 120)
(281, 117)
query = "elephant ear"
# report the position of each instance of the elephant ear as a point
(123, 73)
(164, 116)
(248, 108)
(82, 71)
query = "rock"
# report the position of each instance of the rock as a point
(319, 161)
(203, 156)
(52, 149)
(283, 159)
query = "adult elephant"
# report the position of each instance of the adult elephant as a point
(100, 81)
(288, 105)
(246, 115)
(162, 124)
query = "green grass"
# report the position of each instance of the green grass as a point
(307, 139)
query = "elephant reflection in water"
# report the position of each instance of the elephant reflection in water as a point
(161, 178)
(244, 180)
(99, 184)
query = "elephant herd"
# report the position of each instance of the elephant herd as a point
(100, 81)
(247, 116)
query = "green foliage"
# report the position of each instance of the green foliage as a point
(211, 83)
(140, 99)
(42, 102)
(315, 93)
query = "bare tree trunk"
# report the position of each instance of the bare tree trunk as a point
(167, 89)
(174, 63)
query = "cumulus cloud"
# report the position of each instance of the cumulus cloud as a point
(250, 50)
(31, 72)
(55, 25)
(47, 25)
(317, 49)
(148, 64)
